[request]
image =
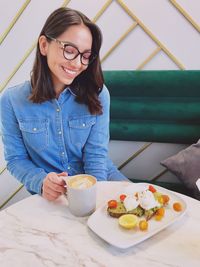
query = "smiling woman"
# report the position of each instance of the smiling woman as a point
(69, 61)
(57, 124)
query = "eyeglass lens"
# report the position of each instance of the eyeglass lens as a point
(71, 53)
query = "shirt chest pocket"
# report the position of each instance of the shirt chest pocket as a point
(79, 129)
(35, 133)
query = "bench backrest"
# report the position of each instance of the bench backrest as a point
(154, 106)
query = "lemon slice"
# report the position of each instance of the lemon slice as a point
(128, 221)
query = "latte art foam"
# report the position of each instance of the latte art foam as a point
(81, 183)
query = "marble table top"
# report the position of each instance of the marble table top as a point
(35, 232)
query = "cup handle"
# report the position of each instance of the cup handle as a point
(65, 178)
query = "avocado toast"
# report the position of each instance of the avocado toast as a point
(121, 210)
(143, 203)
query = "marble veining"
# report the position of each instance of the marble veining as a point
(35, 232)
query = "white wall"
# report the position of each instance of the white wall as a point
(164, 37)
(165, 24)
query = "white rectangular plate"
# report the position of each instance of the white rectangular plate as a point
(108, 228)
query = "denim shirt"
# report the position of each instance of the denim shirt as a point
(54, 136)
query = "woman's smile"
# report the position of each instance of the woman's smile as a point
(69, 72)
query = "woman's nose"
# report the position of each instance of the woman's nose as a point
(77, 61)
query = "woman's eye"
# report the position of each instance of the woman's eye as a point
(87, 55)
(70, 50)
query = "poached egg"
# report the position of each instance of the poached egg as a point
(147, 200)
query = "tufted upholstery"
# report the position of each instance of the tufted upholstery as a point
(155, 106)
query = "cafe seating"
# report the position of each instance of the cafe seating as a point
(160, 110)
(154, 115)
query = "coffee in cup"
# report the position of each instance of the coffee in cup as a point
(81, 181)
(81, 194)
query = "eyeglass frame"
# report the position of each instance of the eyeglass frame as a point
(64, 44)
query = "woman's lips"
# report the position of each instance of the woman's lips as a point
(70, 72)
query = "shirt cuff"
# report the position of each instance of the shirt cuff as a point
(37, 182)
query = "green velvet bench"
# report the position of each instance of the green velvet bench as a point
(154, 107)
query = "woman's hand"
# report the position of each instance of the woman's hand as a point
(53, 186)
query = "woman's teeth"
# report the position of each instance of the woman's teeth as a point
(69, 71)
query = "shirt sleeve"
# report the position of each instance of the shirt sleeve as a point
(19, 163)
(95, 151)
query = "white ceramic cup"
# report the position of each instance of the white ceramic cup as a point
(81, 194)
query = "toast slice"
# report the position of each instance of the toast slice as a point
(150, 213)
(121, 210)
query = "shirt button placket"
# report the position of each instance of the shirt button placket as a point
(61, 144)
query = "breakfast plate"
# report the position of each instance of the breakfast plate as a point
(108, 228)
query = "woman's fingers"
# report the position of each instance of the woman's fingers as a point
(50, 195)
(53, 186)
(63, 174)
(57, 187)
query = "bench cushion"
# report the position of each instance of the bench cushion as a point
(154, 106)
(185, 165)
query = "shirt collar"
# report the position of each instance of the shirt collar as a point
(68, 89)
(65, 95)
(72, 92)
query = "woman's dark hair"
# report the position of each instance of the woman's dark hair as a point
(89, 83)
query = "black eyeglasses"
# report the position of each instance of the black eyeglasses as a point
(70, 52)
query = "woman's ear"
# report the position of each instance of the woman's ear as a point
(43, 45)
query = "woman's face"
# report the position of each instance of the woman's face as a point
(64, 71)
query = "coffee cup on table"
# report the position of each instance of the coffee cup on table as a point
(81, 194)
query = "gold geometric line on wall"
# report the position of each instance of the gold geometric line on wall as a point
(119, 41)
(153, 37)
(28, 52)
(2, 170)
(102, 10)
(65, 3)
(159, 175)
(11, 196)
(153, 54)
(138, 152)
(185, 14)
(14, 21)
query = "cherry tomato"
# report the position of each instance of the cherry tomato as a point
(160, 199)
(152, 189)
(122, 197)
(158, 217)
(143, 225)
(177, 206)
(165, 199)
(160, 212)
(112, 204)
